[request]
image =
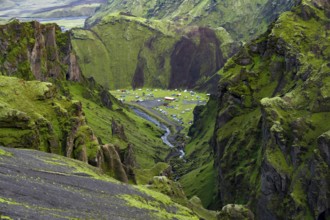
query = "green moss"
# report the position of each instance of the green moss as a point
(196, 205)
(200, 182)
(117, 45)
(144, 176)
(157, 210)
(32, 115)
(278, 161)
(298, 194)
(10, 137)
(8, 201)
(160, 205)
(5, 153)
(20, 39)
(5, 217)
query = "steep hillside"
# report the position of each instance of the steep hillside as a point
(199, 176)
(46, 116)
(125, 51)
(171, 44)
(271, 136)
(243, 19)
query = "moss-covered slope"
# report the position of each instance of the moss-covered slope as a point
(198, 173)
(168, 44)
(271, 136)
(121, 127)
(243, 19)
(123, 51)
(96, 128)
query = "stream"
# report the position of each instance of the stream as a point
(162, 126)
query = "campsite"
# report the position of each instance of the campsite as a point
(176, 105)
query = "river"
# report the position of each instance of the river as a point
(167, 133)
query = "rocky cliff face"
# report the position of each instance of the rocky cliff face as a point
(270, 140)
(36, 51)
(191, 62)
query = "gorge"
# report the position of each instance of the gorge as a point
(258, 149)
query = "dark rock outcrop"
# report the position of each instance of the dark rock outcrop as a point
(118, 130)
(112, 163)
(191, 61)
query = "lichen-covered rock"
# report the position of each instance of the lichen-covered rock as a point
(36, 51)
(112, 163)
(31, 178)
(168, 187)
(233, 211)
(33, 115)
(118, 130)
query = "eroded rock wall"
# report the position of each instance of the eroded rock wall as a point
(271, 134)
(36, 51)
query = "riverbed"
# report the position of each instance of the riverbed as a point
(165, 137)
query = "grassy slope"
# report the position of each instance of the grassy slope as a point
(24, 121)
(145, 136)
(199, 178)
(117, 45)
(250, 18)
(27, 100)
(94, 58)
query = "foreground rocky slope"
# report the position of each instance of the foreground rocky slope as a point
(271, 136)
(45, 186)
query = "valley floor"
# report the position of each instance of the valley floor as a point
(175, 107)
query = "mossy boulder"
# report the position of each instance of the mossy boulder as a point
(238, 212)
